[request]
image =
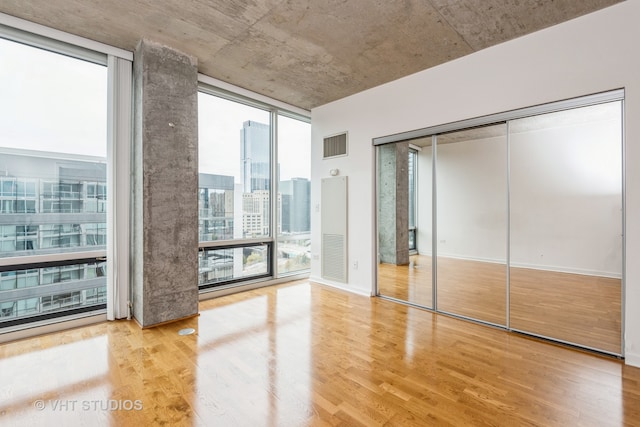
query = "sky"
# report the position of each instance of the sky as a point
(50, 102)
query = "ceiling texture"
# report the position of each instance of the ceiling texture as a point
(306, 52)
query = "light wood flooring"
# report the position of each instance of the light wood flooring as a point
(303, 354)
(580, 309)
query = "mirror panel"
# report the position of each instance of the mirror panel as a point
(566, 226)
(472, 223)
(404, 221)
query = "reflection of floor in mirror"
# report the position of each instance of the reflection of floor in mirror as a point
(581, 309)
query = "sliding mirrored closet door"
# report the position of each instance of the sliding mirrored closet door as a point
(566, 226)
(471, 187)
(514, 220)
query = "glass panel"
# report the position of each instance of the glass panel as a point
(472, 223)
(33, 292)
(217, 266)
(566, 226)
(53, 137)
(294, 195)
(404, 221)
(234, 148)
(235, 175)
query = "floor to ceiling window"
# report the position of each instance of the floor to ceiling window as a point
(253, 205)
(294, 194)
(234, 194)
(53, 183)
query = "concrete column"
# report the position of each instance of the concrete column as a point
(165, 181)
(393, 203)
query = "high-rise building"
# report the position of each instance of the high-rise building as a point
(255, 213)
(297, 193)
(216, 204)
(216, 221)
(51, 204)
(255, 155)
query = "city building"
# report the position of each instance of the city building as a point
(255, 153)
(298, 194)
(51, 203)
(216, 207)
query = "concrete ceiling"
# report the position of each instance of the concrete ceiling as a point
(306, 52)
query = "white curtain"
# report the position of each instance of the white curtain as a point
(118, 185)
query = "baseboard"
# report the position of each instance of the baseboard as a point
(32, 330)
(632, 360)
(476, 259)
(340, 286)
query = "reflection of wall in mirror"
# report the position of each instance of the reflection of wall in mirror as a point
(565, 194)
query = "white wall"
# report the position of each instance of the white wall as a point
(594, 53)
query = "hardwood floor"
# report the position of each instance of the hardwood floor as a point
(580, 309)
(302, 354)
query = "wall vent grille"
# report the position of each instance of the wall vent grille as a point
(335, 146)
(334, 229)
(333, 265)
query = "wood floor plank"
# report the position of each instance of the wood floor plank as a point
(302, 354)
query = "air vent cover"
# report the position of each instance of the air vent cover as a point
(335, 145)
(334, 228)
